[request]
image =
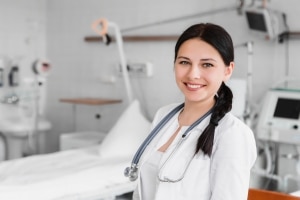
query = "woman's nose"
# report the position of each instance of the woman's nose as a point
(194, 72)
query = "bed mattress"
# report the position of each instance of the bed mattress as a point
(79, 174)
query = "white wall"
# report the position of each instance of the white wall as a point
(22, 32)
(22, 41)
(78, 66)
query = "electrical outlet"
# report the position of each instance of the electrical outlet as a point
(138, 69)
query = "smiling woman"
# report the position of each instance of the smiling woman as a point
(201, 145)
(200, 70)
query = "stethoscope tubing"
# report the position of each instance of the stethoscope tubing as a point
(131, 172)
(153, 133)
(183, 137)
(160, 125)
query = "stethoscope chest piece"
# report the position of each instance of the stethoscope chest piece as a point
(131, 172)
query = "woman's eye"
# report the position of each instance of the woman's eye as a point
(184, 62)
(207, 65)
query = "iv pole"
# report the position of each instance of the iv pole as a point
(103, 32)
(247, 111)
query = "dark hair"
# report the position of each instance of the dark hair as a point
(217, 37)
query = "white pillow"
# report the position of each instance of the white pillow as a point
(127, 134)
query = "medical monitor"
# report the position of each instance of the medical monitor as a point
(279, 119)
(287, 108)
(264, 22)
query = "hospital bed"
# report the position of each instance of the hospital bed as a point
(88, 173)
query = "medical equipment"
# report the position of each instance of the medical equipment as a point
(103, 32)
(279, 120)
(173, 180)
(265, 22)
(41, 67)
(247, 112)
(132, 171)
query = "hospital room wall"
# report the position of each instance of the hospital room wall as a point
(80, 67)
(22, 33)
(22, 41)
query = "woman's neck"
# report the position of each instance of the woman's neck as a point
(193, 111)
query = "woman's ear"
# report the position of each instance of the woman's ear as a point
(228, 71)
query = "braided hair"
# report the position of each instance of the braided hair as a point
(217, 37)
(223, 105)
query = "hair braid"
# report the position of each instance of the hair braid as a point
(223, 105)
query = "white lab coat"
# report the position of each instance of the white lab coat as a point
(223, 176)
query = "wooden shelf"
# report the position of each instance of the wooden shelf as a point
(136, 38)
(289, 35)
(90, 101)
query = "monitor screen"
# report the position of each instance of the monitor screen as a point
(287, 108)
(256, 21)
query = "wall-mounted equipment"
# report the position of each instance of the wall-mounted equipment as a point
(13, 76)
(279, 120)
(265, 22)
(138, 69)
(1, 73)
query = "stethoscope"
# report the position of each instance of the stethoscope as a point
(132, 171)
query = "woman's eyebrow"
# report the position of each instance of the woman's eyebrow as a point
(202, 59)
(183, 57)
(208, 59)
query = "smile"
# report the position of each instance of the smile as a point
(193, 86)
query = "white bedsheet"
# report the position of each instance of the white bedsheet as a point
(73, 174)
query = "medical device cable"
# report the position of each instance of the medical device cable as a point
(32, 142)
(248, 109)
(272, 163)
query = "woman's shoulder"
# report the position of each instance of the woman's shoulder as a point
(236, 137)
(167, 108)
(232, 122)
(233, 129)
(164, 110)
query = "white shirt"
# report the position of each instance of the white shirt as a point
(149, 175)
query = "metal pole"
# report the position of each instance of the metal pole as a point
(119, 41)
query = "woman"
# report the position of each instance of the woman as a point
(212, 161)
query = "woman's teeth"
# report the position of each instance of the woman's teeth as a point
(193, 86)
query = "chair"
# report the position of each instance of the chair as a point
(259, 194)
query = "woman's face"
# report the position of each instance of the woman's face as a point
(200, 70)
